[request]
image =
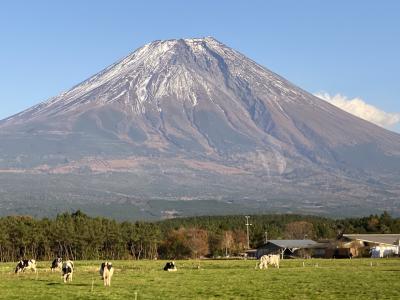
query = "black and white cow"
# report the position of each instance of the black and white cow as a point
(170, 267)
(67, 270)
(56, 264)
(106, 272)
(26, 264)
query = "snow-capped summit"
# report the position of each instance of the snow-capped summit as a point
(179, 68)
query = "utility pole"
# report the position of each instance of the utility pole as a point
(248, 235)
(266, 237)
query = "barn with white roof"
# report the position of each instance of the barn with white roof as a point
(379, 245)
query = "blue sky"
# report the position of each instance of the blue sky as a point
(338, 47)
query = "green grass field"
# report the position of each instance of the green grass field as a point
(215, 279)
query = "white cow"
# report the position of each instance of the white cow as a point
(106, 272)
(270, 259)
(67, 270)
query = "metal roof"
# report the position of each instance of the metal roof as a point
(389, 239)
(292, 243)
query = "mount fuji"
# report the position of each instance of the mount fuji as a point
(191, 126)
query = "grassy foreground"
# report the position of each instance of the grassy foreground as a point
(319, 279)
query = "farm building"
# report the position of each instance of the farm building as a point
(340, 250)
(376, 245)
(290, 248)
(250, 253)
(347, 246)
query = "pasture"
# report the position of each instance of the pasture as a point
(215, 279)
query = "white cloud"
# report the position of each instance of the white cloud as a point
(359, 108)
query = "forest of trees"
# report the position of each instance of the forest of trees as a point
(78, 236)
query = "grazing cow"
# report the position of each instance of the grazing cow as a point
(26, 264)
(170, 267)
(270, 259)
(106, 272)
(56, 264)
(67, 270)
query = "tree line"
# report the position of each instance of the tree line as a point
(78, 236)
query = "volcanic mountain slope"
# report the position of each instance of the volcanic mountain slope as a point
(193, 119)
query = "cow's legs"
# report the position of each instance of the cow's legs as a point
(263, 265)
